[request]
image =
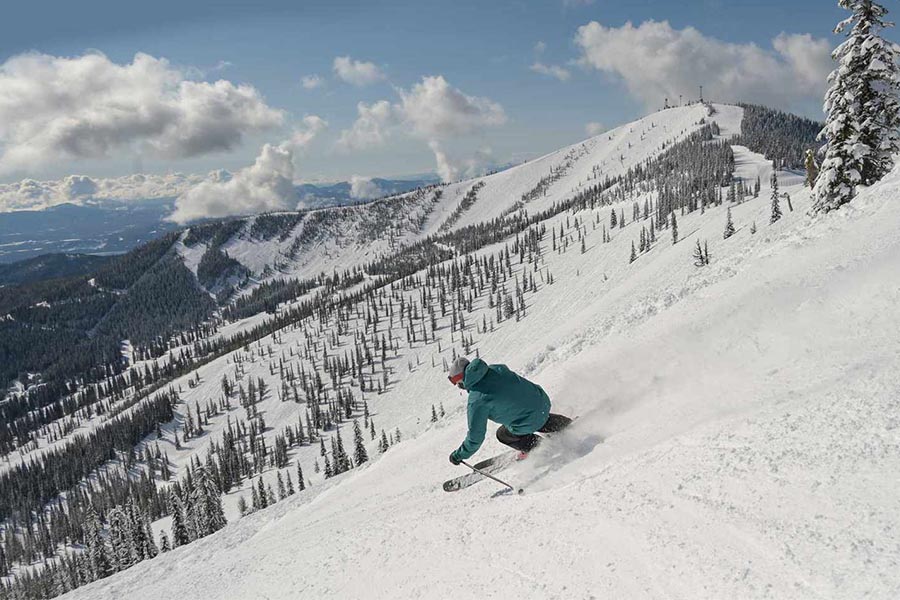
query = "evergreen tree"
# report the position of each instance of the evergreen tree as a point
(776, 207)
(729, 225)
(341, 459)
(150, 549)
(135, 529)
(699, 257)
(674, 229)
(282, 491)
(97, 553)
(255, 503)
(121, 542)
(261, 496)
(359, 445)
(163, 542)
(242, 506)
(179, 530)
(206, 504)
(862, 126)
(301, 482)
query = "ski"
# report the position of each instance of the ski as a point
(493, 465)
(490, 466)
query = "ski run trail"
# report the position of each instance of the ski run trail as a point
(738, 431)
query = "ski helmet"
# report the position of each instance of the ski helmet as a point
(458, 370)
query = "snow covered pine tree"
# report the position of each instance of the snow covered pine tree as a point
(863, 113)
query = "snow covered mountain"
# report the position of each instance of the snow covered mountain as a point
(111, 216)
(737, 398)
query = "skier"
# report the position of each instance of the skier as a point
(496, 393)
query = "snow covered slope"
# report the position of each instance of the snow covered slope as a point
(739, 430)
(335, 238)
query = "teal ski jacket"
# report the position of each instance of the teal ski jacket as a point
(498, 394)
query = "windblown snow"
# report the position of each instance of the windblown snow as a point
(738, 431)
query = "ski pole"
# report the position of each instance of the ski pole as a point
(489, 476)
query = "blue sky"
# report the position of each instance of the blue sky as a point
(483, 50)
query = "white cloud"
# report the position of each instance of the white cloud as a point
(453, 170)
(76, 186)
(371, 128)
(656, 61)
(576, 3)
(57, 108)
(539, 48)
(29, 194)
(594, 128)
(363, 188)
(445, 168)
(312, 126)
(265, 186)
(560, 73)
(311, 82)
(357, 72)
(809, 58)
(433, 108)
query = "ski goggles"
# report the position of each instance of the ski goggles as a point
(455, 379)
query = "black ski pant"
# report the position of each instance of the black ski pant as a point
(525, 443)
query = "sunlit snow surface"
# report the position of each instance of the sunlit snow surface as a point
(738, 431)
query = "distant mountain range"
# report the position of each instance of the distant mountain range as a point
(101, 227)
(114, 226)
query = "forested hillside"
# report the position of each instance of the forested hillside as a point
(778, 135)
(50, 266)
(56, 330)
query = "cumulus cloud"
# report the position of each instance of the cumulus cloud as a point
(87, 106)
(357, 72)
(29, 194)
(76, 186)
(266, 185)
(363, 188)
(311, 82)
(310, 128)
(556, 71)
(594, 128)
(449, 169)
(432, 109)
(371, 128)
(656, 61)
(809, 58)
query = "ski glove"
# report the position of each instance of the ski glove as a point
(454, 459)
